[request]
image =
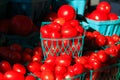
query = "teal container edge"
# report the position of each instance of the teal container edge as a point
(78, 5)
(107, 28)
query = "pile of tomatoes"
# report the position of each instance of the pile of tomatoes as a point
(24, 63)
(102, 12)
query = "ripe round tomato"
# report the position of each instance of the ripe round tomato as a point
(100, 40)
(113, 16)
(21, 25)
(19, 68)
(47, 75)
(34, 66)
(54, 34)
(60, 70)
(26, 57)
(63, 60)
(50, 60)
(55, 26)
(45, 30)
(60, 20)
(96, 15)
(102, 56)
(47, 67)
(68, 31)
(95, 33)
(67, 12)
(36, 57)
(30, 77)
(37, 50)
(104, 7)
(5, 66)
(13, 75)
(115, 37)
(74, 22)
(81, 60)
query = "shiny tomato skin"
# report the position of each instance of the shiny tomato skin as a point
(54, 34)
(115, 37)
(68, 31)
(102, 56)
(104, 6)
(50, 60)
(60, 70)
(30, 77)
(96, 15)
(60, 21)
(34, 66)
(67, 12)
(113, 16)
(1, 76)
(13, 75)
(55, 26)
(74, 22)
(45, 30)
(47, 75)
(100, 40)
(63, 60)
(47, 67)
(5, 66)
(19, 68)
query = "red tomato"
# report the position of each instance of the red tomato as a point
(16, 47)
(55, 26)
(60, 20)
(45, 30)
(113, 16)
(5, 66)
(50, 60)
(112, 51)
(37, 50)
(80, 29)
(81, 60)
(36, 58)
(54, 34)
(21, 25)
(63, 60)
(37, 74)
(34, 66)
(67, 12)
(74, 22)
(13, 75)
(59, 77)
(110, 41)
(47, 75)
(60, 70)
(115, 37)
(96, 33)
(1, 76)
(100, 40)
(19, 68)
(78, 69)
(30, 77)
(102, 56)
(96, 15)
(104, 6)
(68, 31)
(47, 67)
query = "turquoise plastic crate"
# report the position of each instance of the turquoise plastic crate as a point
(35, 9)
(107, 28)
(59, 43)
(78, 5)
(31, 40)
(3, 8)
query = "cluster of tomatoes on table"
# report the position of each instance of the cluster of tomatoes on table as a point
(102, 12)
(98, 40)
